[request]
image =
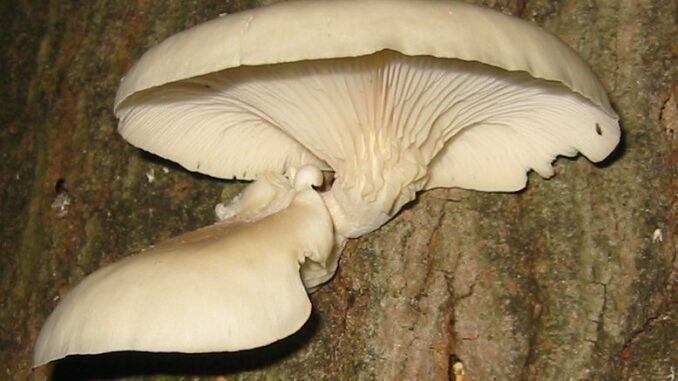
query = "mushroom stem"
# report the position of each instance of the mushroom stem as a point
(354, 216)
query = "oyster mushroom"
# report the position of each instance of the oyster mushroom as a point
(230, 286)
(392, 96)
(392, 105)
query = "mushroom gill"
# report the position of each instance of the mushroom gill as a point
(388, 125)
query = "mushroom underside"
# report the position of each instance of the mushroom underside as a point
(388, 124)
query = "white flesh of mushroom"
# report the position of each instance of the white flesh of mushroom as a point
(230, 286)
(389, 125)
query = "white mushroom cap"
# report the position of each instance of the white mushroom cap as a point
(311, 30)
(395, 96)
(227, 287)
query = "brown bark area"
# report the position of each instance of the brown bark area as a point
(571, 279)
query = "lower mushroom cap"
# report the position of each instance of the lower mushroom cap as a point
(227, 287)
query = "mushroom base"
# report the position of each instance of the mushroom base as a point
(351, 215)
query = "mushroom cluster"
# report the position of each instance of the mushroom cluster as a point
(391, 97)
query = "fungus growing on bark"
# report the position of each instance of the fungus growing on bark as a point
(393, 96)
(230, 286)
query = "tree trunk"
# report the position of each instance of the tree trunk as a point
(571, 279)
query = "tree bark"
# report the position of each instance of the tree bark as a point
(571, 279)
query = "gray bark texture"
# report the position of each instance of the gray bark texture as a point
(572, 279)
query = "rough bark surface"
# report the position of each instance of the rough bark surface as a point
(571, 279)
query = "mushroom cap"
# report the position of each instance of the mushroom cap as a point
(226, 287)
(313, 30)
(394, 96)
